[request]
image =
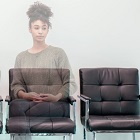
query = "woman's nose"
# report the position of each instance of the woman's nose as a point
(40, 31)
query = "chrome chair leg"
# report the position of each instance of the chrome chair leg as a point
(64, 137)
(84, 134)
(11, 137)
(94, 136)
(70, 137)
(133, 134)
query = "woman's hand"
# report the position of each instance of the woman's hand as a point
(33, 96)
(42, 97)
(50, 97)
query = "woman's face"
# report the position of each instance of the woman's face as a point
(39, 30)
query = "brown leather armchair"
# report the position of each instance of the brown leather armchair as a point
(40, 118)
(109, 99)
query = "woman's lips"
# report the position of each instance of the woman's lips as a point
(40, 36)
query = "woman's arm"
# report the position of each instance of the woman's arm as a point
(69, 85)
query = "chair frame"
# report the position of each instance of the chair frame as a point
(1, 111)
(86, 100)
(72, 102)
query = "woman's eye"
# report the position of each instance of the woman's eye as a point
(36, 28)
(44, 28)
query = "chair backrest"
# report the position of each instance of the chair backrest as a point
(50, 81)
(113, 91)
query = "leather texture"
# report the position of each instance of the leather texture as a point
(34, 117)
(40, 125)
(114, 103)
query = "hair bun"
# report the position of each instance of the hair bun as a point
(39, 9)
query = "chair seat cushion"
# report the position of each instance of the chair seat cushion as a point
(40, 125)
(118, 122)
(21, 107)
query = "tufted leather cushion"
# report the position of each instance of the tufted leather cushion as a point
(113, 122)
(40, 125)
(113, 91)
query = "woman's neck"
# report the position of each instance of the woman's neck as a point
(38, 47)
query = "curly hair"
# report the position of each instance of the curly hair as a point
(39, 11)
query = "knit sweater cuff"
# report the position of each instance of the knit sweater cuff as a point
(17, 90)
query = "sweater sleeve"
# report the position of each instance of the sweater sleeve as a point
(17, 82)
(17, 62)
(69, 85)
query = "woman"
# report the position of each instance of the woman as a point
(41, 55)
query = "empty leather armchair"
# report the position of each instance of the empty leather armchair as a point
(40, 118)
(109, 100)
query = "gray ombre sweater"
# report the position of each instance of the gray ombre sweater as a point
(51, 58)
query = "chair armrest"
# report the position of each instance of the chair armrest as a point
(84, 98)
(7, 99)
(71, 100)
(1, 99)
